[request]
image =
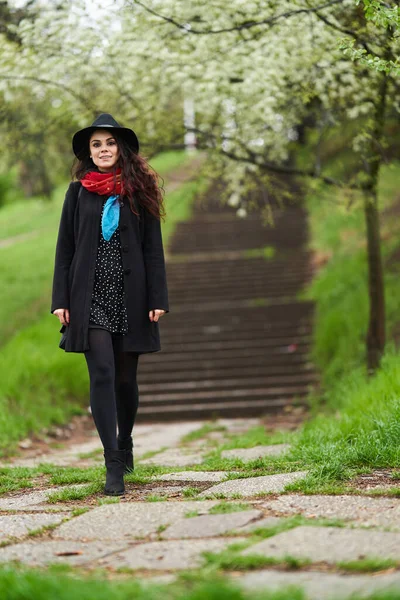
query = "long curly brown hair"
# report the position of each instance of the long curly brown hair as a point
(140, 181)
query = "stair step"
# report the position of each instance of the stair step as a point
(200, 411)
(163, 374)
(261, 342)
(226, 383)
(226, 395)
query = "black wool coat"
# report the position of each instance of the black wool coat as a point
(145, 284)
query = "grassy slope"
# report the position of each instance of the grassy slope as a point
(360, 426)
(39, 383)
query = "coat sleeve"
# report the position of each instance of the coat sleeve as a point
(153, 254)
(65, 249)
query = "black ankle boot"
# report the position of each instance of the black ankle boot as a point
(127, 445)
(115, 464)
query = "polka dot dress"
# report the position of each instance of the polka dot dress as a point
(108, 308)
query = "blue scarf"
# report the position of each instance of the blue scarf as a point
(110, 218)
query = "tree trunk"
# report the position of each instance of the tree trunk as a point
(373, 159)
(376, 328)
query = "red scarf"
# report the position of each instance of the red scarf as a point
(104, 184)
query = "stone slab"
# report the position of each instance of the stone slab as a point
(329, 544)
(209, 525)
(150, 438)
(247, 454)
(127, 520)
(317, 585)
(20, 525)
(160, 556)
(43, 553)
(213, 476)
(173, 457)
(34, 500)
(164, 490)
(61, 458)
(254, 485)
(383, 512)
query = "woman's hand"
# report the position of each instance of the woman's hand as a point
(62, 314)
(154, 315)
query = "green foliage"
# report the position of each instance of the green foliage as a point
(8, 187)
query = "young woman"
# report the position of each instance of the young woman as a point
(109, 286)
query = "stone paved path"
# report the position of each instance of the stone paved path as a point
(197, 510)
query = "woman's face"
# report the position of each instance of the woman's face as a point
(104, 150)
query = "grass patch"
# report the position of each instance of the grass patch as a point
(231, 560)
(156, 498)
(229, 507)
(63, 582)
(93, 454)
(266, 252)
(72, 493)
(81, 510)
(202, 432)
(369, 565)
(255, 436)
(45, 528)
(115, 500)
(74, 475)
(190, 492)
(364, 433)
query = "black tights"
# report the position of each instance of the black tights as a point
(114, 394)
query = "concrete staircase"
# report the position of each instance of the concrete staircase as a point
(236, 341)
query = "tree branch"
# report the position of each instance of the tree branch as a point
(252, 159)
(348, 32)
(241, 26)
(82, 99)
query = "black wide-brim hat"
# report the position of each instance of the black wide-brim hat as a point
(80, 141)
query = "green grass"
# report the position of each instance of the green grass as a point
(169, 161)
(25, 275)
(202, 432)
(231, 559)
(58, 581)
(14, 478)
(255, 436)
(357, 424)
(156, 498)
(368, 565)
(229, 507)
(72, 493)
(190, 492)
(267, 252)
(179, 206)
